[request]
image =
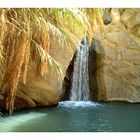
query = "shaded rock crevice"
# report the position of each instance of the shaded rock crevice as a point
(67, 82)
(96, 81)
(19, 104)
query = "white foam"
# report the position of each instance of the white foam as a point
(75, 104)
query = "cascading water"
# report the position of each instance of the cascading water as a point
(80, 79)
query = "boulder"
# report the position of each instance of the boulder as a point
(46, 91)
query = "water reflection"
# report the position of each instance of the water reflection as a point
(10, 122)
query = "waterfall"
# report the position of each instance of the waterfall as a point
(80, 79)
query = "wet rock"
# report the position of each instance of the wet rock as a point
(30, 102)
(19, 104)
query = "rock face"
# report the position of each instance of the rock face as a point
(96, 81)
(67, 82)
(115, 59)
(120, 51)
(117, 66)
(40, 91)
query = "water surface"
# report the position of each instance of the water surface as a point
(75, 116)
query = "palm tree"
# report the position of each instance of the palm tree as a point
(25, 37)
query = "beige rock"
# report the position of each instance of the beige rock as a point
(131, 18)
(136, 9)
(46, 91)
(115, 15)
(123, 39)
(114, 27)
(38, 89)
(121, 59)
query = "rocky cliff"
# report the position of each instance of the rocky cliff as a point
(120, 51)
(46, 91)
(114, 61)
(117, 69)
(43, 91)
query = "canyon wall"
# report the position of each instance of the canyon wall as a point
(120, 50)
(117, 71)
(114, 61)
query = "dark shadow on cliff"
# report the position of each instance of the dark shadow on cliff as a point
(96, 81)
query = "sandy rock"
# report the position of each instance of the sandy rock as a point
(131, 19)
(115, 15)
(1, 97)
(121, 59)
(39, 91)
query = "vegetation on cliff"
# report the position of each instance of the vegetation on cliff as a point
(25, 37)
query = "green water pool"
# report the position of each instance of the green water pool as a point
(72, 116)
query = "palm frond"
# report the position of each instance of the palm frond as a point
(45, 57)
(24, 28)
